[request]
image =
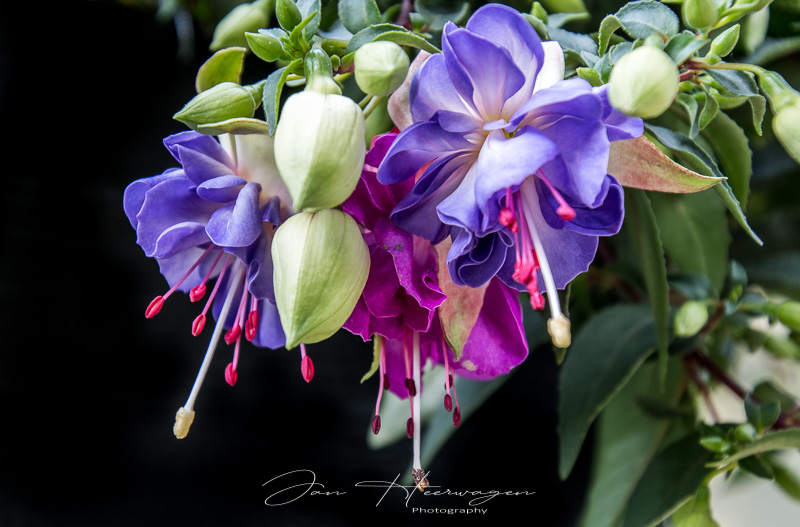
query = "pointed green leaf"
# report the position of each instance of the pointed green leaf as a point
(650, 253)
(358, 14)
(729, 198)
(671, 479)
(732, 148)
(709, 111)
(312, 9)
(638, 163)
(694, 230)
(239, 126)
(735, 82)
(767, 443)
(272, 92)
(682, 46)
(604, 355)
(392, 33)
(607, 28)
(223, 66)
(689, 105)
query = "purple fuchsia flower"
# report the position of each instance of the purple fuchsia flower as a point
(400, 307)
(514, 159)
(214, 218)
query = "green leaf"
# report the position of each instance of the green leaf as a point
(732, 148)
(762, 416)
(686, 150)
(689, 105)
(650, 253)
(682, 46)
(709, 111)
(758, 105)
(638, 163)
(570, 41)
(605, 354)
(358, 14)
(272, 92)
(239, 126)
(223, 66)
(729, 198)
(646, 17)
(757, 467)
(627, 437)
(766, 391)
(392, 33)
(773, 49)
(607, 28)
(313, 9)
(590, 75)
(671, 479)
(735, 82)
(694, 230)
(559, 20)
(767, 443)
(784, 477)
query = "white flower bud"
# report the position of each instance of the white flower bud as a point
(319, 148)
(643, 83)
(321, 264)
(380, 67)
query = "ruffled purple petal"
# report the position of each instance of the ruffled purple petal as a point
(473, 261)
(167, 204)
(603, 218)
(221, 189)
(618, 125)
(432, 90)
(488, 68)
(133, 198)
(237, 224)
(417, 145)
(175, 267)
(497, 342)
(270, 332)
(272, 211)
(572, 97)
(201, 156)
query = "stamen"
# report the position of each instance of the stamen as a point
(230, 371)
(251, 326)
(417, 428)
(158, 302)
(448, 400)
(564, 211)
(199, 290)
(185, 415)
(409, 382)
(410, 427)
(507, 217)
(236, 331)
(200, 321)
(306, 365)
(376, 424)
(376, 421)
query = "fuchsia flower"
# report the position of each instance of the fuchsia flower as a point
(508, 159)
(400, 303)
(214, 218)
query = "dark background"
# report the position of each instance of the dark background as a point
(89, 387)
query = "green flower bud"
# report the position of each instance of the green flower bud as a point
(789, 314)
(380, 67)
(226, 100)
(267, 45)
(241, 19)
(318, 71)
(643, 83)
(321, 264)
(785, 103)
(725, 41)
(319, 148)
(288, 14)
(690, 318)
(699, 14)
(745, 433)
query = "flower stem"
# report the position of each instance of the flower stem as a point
(371, 106)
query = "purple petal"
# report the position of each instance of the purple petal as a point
(502, 163)
(432, 90)
(221, 189)
(169, 203)
(474, 261)
(603, 218)
(416, 213)
(201, 156)
(175, 267)
(618, 125)
(417, 145)
(133, 198)
(497, 342)
(237, 224)
(492, 75)
(572, 97)
(272, 211)
(270, 332)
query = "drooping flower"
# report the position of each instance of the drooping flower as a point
(513, 158)
(400, 307)
(215, 217)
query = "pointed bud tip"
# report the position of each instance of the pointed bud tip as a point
(559, 329)
(183, 420)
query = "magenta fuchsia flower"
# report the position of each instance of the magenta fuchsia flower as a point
(513, 158)
(214, 218)
(400, 302)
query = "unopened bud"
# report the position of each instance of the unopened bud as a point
(183, 420)
(380, 67)
(321, 264)
(241, 19)
(319, 149)
(266, 44)
(700, 14)
(226, 100)
(690, 318)
(725, 41)
(786, 126)
(559, 329)
(288, 14)
(643, 83)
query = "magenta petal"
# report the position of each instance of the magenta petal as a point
(497, 342)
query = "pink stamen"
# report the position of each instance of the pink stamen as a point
(306, 365)
(230, 374)
(564, 211)
(198, 324)
(199, 290)
(154, 307)
(410, 427)
(236, 331)
(251, 326)
(157, 303)
(200, 321)
(508, 217)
